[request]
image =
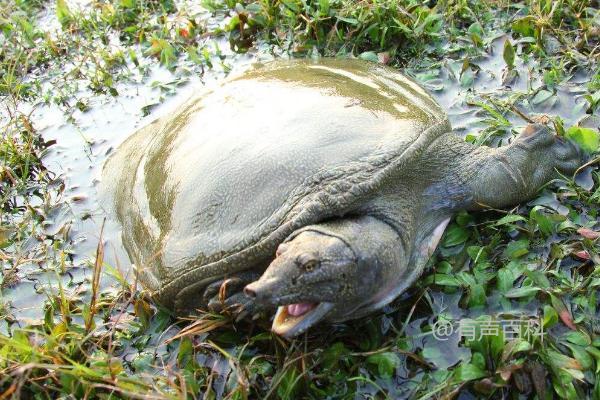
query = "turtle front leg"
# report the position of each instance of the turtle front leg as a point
(226, 295)
(508, 175)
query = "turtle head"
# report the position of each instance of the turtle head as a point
(315, 276)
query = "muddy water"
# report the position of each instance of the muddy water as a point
(83, 144)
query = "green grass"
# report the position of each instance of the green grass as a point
(539, 259)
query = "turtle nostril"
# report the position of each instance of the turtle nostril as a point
(250, 292)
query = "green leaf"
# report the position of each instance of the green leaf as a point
(333, 355)
(288, 385)
(509, 219)
(550, 317)
(524, 26)
(324, 7)
(444, 280)
(494, 113)
(143, 361)
(469, 372)
(596, 353)
(477, 253)
(516, 249)
(463, 218)
(539, 278)
(292, 6)
(522, 292)
(543, 222)
(455, 235)
(477, 297)
(578, 338)
(541, 96)
(505, 279)
(444, 267)
(560, 361)
(509, 54)
(467, 77)
(513, 347)
(186, 349)
(386, 363)
(351, 21)
(478, 360)
(563, 313)
(476, 32)
(588, 139)
(63, 13)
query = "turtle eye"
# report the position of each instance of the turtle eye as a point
(310, 265)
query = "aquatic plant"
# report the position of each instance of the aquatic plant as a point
(535, 266)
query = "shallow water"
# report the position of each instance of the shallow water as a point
(84, 143)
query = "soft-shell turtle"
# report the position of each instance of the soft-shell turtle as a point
(339, 176)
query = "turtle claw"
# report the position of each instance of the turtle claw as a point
(238, 305)
(219, 290)
(226, 296)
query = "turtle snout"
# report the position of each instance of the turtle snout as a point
(250, 291)
(262, 290)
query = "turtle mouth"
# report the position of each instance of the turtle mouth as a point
(293, 319)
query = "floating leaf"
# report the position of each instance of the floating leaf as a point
(467, 77)
(541, 96)
(494, 113)
(509, 54)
